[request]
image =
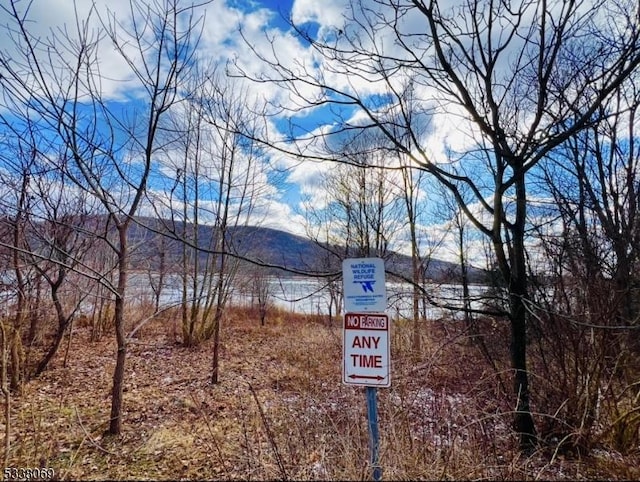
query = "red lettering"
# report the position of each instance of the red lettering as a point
(353, 321)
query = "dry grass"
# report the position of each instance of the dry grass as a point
(279, 412)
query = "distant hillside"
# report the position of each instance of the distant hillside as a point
(270, 246)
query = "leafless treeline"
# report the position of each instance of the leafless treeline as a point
(544, 176)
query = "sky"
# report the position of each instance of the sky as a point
(221, 40)
(236, 32)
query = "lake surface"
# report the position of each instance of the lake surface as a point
(309, 297)
(312, 296)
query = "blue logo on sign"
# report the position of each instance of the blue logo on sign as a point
(366, 285)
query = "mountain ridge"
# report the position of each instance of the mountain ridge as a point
(285, 253)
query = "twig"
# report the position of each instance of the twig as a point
(270, 437)
(88, 437)
(210, 429)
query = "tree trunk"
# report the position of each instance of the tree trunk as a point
(115, 424)
(4, 386)
(415, 277)
(63, 323)
(523, 419)
(217, 319)
(464, 278)
(215, 368)
(53, 349)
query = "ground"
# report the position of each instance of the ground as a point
(279, 411)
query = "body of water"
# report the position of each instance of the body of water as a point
(312, 296)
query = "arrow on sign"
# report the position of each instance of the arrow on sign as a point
(367, 377)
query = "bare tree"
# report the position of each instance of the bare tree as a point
(17, 213)
(219, 184)
(586, 281)
(594, 182)
(448, 211)
(16, 274)
(412, 188)
(55, 87)
(320, 229)
(521, 78)
(60, 245)
(359, 204)
(261, 291)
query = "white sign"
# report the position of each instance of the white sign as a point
(363, 283)
(365, 346)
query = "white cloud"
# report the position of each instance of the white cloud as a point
(221, 41)
(327, 13)
(279, 215)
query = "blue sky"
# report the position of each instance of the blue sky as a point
(221, 41)
(266, 33)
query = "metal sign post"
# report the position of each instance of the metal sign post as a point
(365, 341)
(374, 437)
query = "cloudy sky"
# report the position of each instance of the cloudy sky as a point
(233, 30)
